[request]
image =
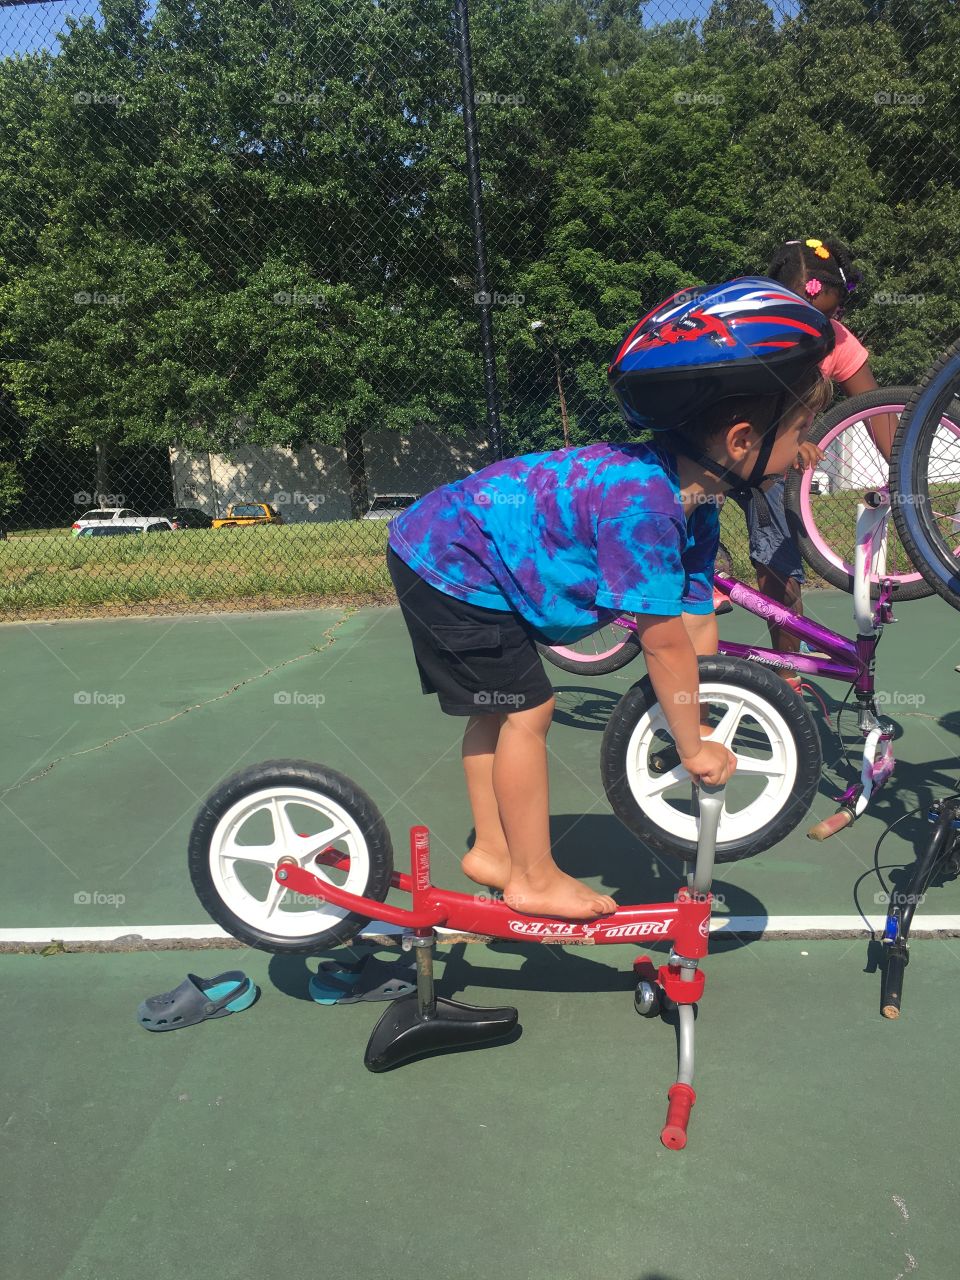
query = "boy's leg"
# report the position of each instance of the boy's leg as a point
(536, 886)
(488, 862)
(505, 762)
(776, 558)
(786, 591)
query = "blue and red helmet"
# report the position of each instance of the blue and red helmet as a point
(750, 336)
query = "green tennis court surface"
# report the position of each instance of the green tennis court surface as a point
(258, 1145)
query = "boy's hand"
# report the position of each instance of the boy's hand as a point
(808, 455)
(713, 764)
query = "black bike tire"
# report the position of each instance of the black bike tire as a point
(909, 481)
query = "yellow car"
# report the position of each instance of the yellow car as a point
(242, 513)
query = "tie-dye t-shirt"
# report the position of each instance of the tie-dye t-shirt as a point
(566, 539)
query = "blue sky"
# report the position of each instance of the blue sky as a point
(26, 27)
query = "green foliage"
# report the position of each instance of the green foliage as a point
(227, 223)
(11, 487)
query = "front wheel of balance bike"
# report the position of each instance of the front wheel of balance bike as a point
(285, 809)
(758, 717)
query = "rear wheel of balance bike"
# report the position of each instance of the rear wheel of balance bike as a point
(757, 716)
(287, 809)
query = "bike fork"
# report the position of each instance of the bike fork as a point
(941, 849)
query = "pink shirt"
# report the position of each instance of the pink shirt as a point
(848, 355)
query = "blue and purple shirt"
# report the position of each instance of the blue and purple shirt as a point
(566, 539)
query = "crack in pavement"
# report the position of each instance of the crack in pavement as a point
(327, 635)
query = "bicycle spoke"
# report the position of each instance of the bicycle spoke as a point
(729, 721)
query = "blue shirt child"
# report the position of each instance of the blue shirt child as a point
(566, 539)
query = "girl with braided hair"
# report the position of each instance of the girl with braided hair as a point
(822, 272)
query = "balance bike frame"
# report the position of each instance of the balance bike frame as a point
(685, 923)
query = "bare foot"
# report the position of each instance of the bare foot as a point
(559, 895)
(487, 866)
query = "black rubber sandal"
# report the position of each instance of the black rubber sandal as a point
(197, 1000)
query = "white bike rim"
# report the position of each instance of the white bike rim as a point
(268, 914)
(661, 795)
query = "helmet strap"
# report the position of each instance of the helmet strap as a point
(740, 488)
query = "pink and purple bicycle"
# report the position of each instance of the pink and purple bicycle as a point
(754, 712)
(841, 513)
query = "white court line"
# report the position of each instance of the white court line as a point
(764, 926)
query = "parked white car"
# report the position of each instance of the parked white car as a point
(104, 515)
(387, 505)
(118, 528)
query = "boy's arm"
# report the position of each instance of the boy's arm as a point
(705, 638)
(672, 664)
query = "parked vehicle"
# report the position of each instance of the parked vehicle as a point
(185, 517)
(142, 524)
(387, 505)
(245, 513)
(104, 515)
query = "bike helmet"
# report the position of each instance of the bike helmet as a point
(748, 337)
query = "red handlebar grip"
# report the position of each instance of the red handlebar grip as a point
(674, 1132)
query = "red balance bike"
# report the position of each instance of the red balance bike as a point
(290, 857)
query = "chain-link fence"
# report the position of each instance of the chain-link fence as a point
(247, 298)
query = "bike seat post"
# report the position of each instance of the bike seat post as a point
(422, 944)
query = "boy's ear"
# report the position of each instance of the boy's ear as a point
(739, 439)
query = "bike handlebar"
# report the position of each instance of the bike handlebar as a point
(674, 1132)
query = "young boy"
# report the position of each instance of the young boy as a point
(550, 545)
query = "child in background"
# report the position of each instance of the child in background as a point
(551, 545)
(822, 272)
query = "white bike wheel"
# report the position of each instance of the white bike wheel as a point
(757, 716)
(287, 810)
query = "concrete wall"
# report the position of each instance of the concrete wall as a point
(313, 483)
